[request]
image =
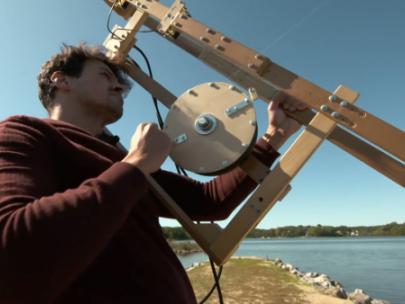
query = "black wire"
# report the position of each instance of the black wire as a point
(155, 102)
(214, 286)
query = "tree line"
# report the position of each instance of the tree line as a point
(392, 229)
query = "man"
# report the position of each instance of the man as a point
(78, 223)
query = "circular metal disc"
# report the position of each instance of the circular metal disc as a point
(233, 136)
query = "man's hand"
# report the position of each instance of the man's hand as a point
(149, 148)
(281, 127)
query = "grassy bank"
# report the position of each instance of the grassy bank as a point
(251, 280)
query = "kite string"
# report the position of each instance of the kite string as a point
(295, 26)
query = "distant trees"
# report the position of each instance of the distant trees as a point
(392, 229)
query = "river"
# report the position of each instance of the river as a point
(376, 265)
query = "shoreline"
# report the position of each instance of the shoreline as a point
(316, 287)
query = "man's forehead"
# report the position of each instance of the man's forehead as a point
(97, 64)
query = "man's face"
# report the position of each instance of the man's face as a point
(97, 90)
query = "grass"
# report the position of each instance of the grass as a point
(248, 280)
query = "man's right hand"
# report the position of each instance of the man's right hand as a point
(149, 148)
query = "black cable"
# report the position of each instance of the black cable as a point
(155, 102)
(214, 286)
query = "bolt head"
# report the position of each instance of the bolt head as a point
(324, 108)
(335, 114)
(333, 98)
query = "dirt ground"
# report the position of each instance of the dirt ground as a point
(256, 281)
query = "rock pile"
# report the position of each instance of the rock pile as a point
(328, 286)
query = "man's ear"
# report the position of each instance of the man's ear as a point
(60, 80)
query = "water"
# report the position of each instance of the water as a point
(376, 265)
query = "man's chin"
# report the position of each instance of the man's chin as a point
(113, 116)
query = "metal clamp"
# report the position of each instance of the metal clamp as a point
(169, 20)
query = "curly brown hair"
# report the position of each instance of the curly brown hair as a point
(70, 61)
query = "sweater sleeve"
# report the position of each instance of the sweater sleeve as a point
(47, 238)
(216, 199)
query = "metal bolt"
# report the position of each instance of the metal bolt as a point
(259, 57)
(203, 122)
(204, 39)
(191, 92)
(344, 104)
(333, 98)
(219, 47)
(225, 39)
(324, 108)
(210, 31)
(336, 115)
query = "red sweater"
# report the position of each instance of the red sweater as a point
(79, 226)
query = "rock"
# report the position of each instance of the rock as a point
(377, 301)
(311, 274)
(297, 273)
(335, 292)
(360, 297)
(278, 262)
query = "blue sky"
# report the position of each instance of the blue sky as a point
(360, 44)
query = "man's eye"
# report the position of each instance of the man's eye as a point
(106, 75)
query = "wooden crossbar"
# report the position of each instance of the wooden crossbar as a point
(333, 116)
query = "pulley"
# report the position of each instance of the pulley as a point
(212, 126)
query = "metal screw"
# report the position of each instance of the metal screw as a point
(245, 145)
(225, 39)
(203, 122)
(259, 57)
(219, 47)
(333, 98)
(344, 104)
(324, 108)
(204, 39)
(336, 115)
(210, 31)
(191, 92)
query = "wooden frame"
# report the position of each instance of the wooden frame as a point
(330, 117)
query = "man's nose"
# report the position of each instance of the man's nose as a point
(120, 88)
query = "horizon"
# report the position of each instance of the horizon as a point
(360, 44)
(308, 225)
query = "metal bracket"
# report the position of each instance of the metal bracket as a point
(180, 139)
(169, 20)
(243, 104)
